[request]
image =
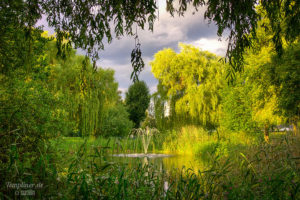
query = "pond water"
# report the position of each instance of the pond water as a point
(166, 162)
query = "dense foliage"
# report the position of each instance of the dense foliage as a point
(27, 105)
(87, 23)
(117, 122)
(285, 77)
(46, 98)
(192, 80)
(137, 101)
(193, 84)
(88, 95)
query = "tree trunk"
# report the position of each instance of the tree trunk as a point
(266, 132)
(295, 128)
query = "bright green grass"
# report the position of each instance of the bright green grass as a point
(111, 144)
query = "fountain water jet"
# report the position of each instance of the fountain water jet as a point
(146, 136)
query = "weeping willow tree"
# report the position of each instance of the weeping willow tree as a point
(85, 93)
(193, 79)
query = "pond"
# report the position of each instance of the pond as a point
(164, 162)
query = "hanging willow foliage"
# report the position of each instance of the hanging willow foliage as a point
(86, 93)
(193, 79)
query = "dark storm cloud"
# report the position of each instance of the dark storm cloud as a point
(168, 31)
(199, 30)
(148, 50)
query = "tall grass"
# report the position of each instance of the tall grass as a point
(258, 171)
(192, 140)
(263, 171)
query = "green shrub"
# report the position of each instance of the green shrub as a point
(236, 109)
(116, 122)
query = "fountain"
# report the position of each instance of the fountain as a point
(145, 135)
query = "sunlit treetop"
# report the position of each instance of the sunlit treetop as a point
(90, 23)
(194, 77)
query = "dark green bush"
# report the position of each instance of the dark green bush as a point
(116, 122)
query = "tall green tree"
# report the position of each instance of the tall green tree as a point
(284, 74)
(261, 91)
(137, 101)
(193, 79)
(250, 102)
(274, 77)
(88, 95)
(265, 90)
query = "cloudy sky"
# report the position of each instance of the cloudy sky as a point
(168, 32)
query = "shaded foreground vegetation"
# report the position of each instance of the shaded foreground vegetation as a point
(74, 168)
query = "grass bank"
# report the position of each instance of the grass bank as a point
(71, 145)
(191, 140)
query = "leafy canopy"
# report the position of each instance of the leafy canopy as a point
(90, 98)
(87, 24)
(284, 75)
(192, 79)
(137, 101)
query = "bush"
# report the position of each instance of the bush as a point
(28, 115)
(237, 112)
(116, 122)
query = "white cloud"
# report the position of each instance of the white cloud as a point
(213, 45)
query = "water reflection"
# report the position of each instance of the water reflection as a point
(164, 162)
(187, 162)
